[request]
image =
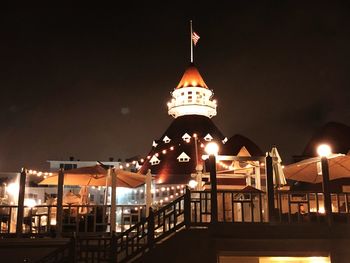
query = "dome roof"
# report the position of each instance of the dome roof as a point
(235, 144)
(169, 170)
(337, 135)
(191, 78)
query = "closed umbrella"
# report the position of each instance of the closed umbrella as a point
(279, 178)
(84, 199)
(309, 170)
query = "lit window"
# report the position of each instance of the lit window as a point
(166, 139)
(154, 160)
(208, 137)
(183, 158)
(186, 137)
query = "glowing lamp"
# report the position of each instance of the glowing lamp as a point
(29, 202)
(192, 183)
(12, 189)
(324, 150)
(212, 148)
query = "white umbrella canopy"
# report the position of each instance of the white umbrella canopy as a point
(96, 176)
(309, 170)
(279, 178)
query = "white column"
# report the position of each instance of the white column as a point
(248, 179)
(149, 200)
(257, 177)
(199, 169)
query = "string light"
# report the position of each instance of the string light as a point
(38, 173)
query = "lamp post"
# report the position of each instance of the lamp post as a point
(59, 212)
(196, 147)
(20, 211)
(270, 188)
(212, 150)
(323, 151)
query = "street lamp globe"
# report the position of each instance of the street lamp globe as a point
(324, 150)
(192, 184)
(212, 148)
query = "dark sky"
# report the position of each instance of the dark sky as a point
(93, 82)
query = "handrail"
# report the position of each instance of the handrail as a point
(64, 253)
(235, 206)
(160, 223)
(41, 219)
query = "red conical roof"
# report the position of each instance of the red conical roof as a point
(192, 78)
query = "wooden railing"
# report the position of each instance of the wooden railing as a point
(63, 253)
(308, 207)
(41, 219)
(160, 223)
(193, 209)
(233, 207)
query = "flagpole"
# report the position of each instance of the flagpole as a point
(191, 41)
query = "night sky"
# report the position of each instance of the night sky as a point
(92, 82)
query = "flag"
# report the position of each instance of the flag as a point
(195, 38)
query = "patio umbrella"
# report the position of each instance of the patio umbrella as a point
(278, 176)
(250, 189)
(71, 198)
(79, 176)
(309, 170)
(99, 176)
(96, 176)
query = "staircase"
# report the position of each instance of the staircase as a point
(156, 228)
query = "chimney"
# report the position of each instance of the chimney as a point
(111, 159)
(71, 158)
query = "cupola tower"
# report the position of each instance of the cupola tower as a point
(192, 96)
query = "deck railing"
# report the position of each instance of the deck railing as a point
(193, 209)
(233, 206)
(308, 207)
(160, 223)
(41, 219)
